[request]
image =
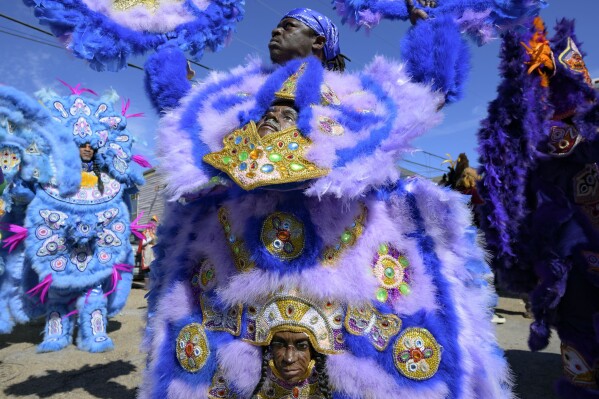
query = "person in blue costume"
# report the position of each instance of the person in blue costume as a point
(76, 263)
(288, 214)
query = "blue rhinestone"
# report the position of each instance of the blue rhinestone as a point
(267, 168)
(252, 146)
(232, 238)
(293, 146)
(238, 139)
(243, 166)
(269, 148)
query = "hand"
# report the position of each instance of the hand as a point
(418, 13)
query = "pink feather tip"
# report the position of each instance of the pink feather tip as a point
(20, 233)
(77, 90)
(125, 106)
(141, 161)
(116, 276)
(42, 288)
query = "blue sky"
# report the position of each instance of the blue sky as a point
(29, 66)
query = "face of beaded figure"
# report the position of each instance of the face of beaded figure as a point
(278, 117)
(291, 353)
(86, 152)
(292, 39)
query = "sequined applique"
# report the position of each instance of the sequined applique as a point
(330, 126)
(562, 140)
(123, 5)
(572, 59)
(219, 388)
(289, 87)
(9, 160)
(391, 269)
(367, 321)
(54, 325)
(283, 235)
(328, 96)
(97, 322)
(203, 278)
(53, 218)
(592, 259)
(417, 354)
(240, 255)
(253, 161)
(576, 369)
(586, 192)
(192, 347)
(213, 319)
(322, 322)
(348, 238)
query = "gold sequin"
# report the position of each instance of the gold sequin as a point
(417, 354)
(192, 347)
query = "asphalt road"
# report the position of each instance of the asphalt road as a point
(71, 373)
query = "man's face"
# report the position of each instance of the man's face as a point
(277, 118)
(291, 355)
(292, 39)
(86, 152)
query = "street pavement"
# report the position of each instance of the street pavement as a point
(71, 373)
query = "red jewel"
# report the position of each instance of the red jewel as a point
(296, 392)
(578, 367)
(295, 134)
(289, 156)
(189, 349)
(283, 235)
(280, 144)
(385, 323)
(416, 355)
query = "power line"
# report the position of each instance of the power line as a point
(423, 165)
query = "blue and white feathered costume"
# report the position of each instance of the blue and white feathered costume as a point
(77, 253)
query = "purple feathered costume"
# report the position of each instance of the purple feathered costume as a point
(540, 180)
(311, 229)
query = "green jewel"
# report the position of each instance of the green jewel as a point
(383, 249)
(404, 261)
(236, 250)
(382, 295)
(404, 289)
(227, 228)
(296, 167)
(243, 156)
(389, 272)
(226, 160)
(346, 237)
(274, 157)
(209, 274)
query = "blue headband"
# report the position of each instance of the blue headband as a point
(322, 25)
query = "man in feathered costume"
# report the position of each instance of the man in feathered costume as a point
(292, 261)
(76, 255)
(540, 186)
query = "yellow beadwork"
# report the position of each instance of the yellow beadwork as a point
(238, 250)
(9, 160)
(417, 354)
(88, 180)
(348, 238)
(367, 321)
(192, 347)
(123, 5)
(283, 235)
(253, 161)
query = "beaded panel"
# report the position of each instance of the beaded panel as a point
(571, 58)
(214, 319)
(586, 192)
(391, 268)
(219, 388)
(283, 235)
(9, 160)
(367, 321)
(253, 161)
(192, 347)
(417, 354)
(563, 138)
(576, 369)
(241, 256)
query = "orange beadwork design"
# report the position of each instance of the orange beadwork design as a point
(541, 56)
